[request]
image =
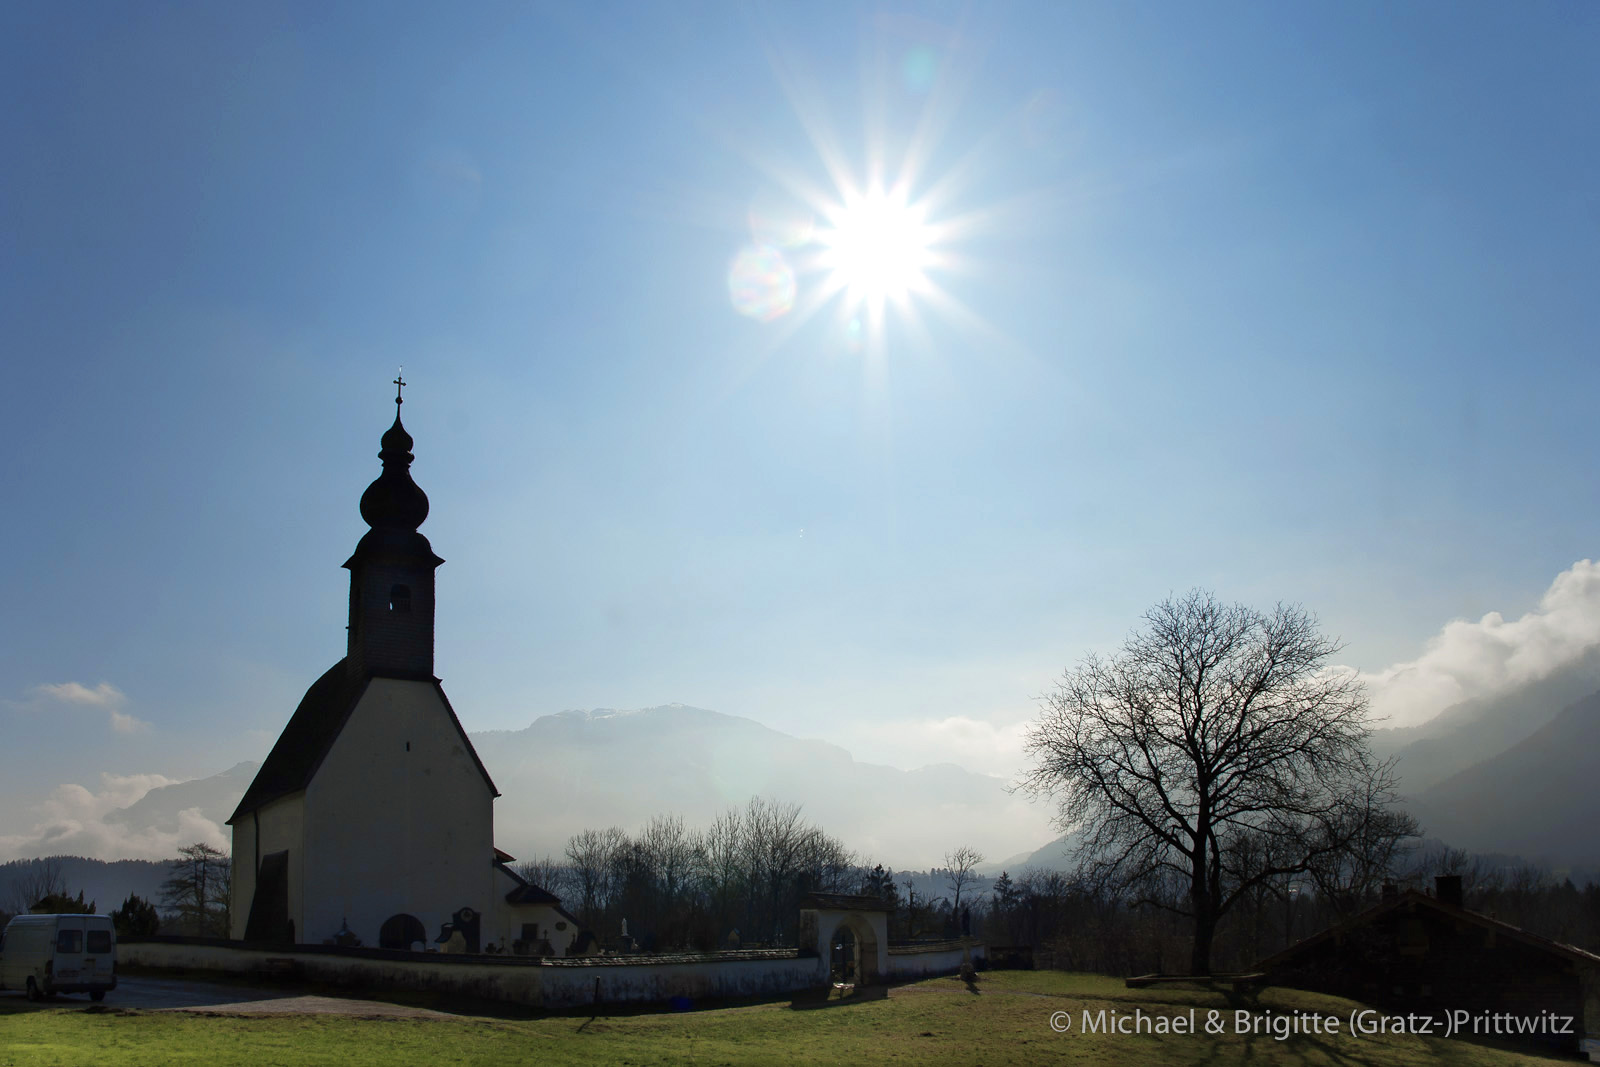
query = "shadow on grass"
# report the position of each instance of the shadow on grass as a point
(17, 1003)
(811, 1000)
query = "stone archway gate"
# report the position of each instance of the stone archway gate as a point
(822, 915)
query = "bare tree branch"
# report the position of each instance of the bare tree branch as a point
(1217, 747)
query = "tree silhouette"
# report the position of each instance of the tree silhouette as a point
(1214, 752)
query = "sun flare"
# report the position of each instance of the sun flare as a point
(877, 246)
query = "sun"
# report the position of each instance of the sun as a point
(877, 246)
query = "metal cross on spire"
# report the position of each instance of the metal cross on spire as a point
(399, 384)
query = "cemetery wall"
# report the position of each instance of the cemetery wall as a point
(555, 983)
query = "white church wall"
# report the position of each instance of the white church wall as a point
(282, 828)
(399, 820)
(242, 883)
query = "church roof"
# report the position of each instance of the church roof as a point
(311, 732)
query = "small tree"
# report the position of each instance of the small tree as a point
(1215, 750)
(136, 918)
(198, 890)
(1004, 901)
(959, 866)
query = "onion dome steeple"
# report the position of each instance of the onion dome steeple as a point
(393, 500)
(391, 572)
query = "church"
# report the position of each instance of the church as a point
(372, 819)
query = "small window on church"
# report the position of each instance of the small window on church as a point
(400, 598)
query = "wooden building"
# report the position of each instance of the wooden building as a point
(1427, 954)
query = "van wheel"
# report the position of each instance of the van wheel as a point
(33, 989)
(97, 995)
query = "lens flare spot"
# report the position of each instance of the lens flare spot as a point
(761, 283)
(919, 67)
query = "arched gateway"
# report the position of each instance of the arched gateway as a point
(826, 917)
(401, 931)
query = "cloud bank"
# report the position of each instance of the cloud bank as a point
(104, 697)
(71, 821)
(1492, 656)
(977, 744)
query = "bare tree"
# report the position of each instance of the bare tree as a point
(669, 852)
(198, 889)
(42, 879)
(718, 854)
(960, 864)
(774, 838)
(593, 854)
(1214, 748)
(1368, 839)
(547, 872)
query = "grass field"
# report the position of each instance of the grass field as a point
(1007, 1021)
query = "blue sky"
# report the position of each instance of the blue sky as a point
(1288, 301)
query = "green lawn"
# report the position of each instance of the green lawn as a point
(935, 1021)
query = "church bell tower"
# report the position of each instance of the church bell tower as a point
(391, 572)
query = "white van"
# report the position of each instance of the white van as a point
(46, 954)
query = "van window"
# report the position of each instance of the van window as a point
(100, 941)
(69, 941)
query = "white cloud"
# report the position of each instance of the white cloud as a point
(981, 745)
(71, 820)
(1485, 658)
(104, 697)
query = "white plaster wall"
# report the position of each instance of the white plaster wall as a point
(509, 919)
(920, 962)
(574, 986)
(282, 827)
(390, 830)
(546, 984)
(242, 884)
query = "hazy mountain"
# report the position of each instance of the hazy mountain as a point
(582, 769)
(215, 797)
(1056, 856)
(1472, 731)
(1536, 799)
(600, 768)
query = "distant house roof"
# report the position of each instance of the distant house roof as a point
(1412, 899)
(844, 902)
(312, 730)
(525, 892)
(528, 893)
